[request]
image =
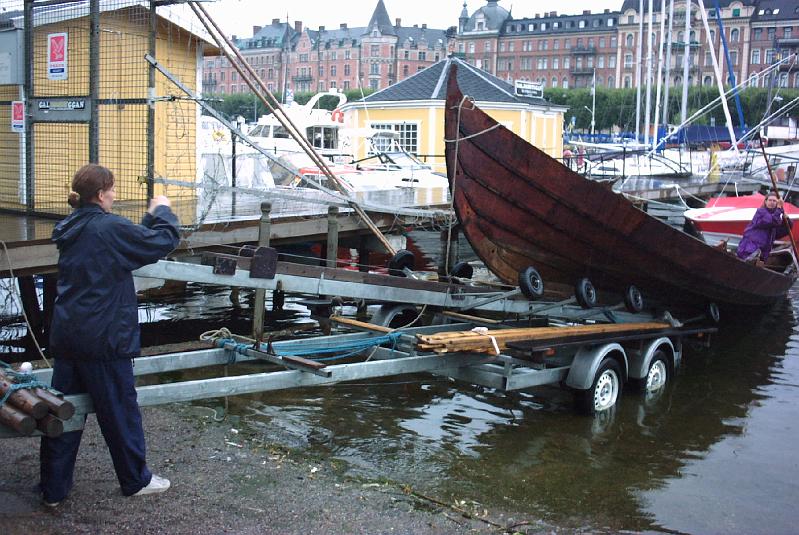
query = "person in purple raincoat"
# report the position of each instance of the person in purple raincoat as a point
(766, 226)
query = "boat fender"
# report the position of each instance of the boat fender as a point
(587, 360)
(337, 116)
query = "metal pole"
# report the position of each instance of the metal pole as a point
(264, 230)
(94, 81)
(686, 62)
(668, 67)
(29, 167)
(638, 49)
(649, 45)
(332, 236)
(151, 107)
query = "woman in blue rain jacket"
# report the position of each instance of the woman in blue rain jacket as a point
(95, 327)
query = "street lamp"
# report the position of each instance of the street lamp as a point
(592, 118)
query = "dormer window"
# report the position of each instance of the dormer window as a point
(480, 25)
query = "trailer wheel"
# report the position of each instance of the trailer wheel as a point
(462, 270)
(403, 259)
(658, 375)
(604, 391)
(585, 293)
(633, 300)
(531, 284)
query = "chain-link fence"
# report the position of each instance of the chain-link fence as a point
(83, 69)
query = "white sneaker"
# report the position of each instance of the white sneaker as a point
(157, 484)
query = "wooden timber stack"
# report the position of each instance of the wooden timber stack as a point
(492, 341)
(27, 410)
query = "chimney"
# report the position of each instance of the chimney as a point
(553, 13)
(275, 22)
(415, 25)
(298, 26)
(424, 26)
(586, 11)
(233, 37)
(537, 16)
(256, 29)
(321, 28)
(398, 24)
(607, 10)
(342, 26)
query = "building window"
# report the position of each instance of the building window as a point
(628, 61)
(612, 61)
(346, 69)
(374, 84)
(407, 136)
(772, 33)
(554, 81)
(471, 48)
(735, 35)
(582, 24)
(708, 59)
(404, 71)
(375, 51)
(487, 46)
(611, 82)
(629, 40)
(347, 54)
(601, 42)
(333, 70)
(511, 46)
(628, 82)
(734, 57)
(565, 83)
(555, 64)
(321, 70)
(600, 62)
(736, 12)
(566, 63)
(556, 44)
(422, 56)
(707, 81)
(787, 32)
(757, 34)
(374, 68)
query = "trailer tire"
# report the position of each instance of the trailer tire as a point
(462, 270)
(401, 260)
(605, 389)
(531, 284)
(585, 293)
(658, 375)
(633, 300)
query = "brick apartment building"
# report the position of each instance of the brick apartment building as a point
(554, 50)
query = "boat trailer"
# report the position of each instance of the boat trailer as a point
(546, 343)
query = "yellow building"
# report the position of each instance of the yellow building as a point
(414, 110)
(59, 107)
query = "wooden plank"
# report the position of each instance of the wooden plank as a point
(360, 324)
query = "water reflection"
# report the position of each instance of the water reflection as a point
(713, 453)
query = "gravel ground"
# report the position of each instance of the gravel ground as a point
(224, 481)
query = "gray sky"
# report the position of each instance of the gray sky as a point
(238, 16)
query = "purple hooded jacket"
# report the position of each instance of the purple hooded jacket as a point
(765, 227)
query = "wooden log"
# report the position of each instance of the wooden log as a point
(23, 400)
(58, 407)
(17, 420)
(50, 426)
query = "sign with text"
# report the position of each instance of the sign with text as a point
(528, 89)
(17, 116)
(57, 56)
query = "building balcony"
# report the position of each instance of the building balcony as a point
(680, 45)
(582, 71)
(302, 78)
(584, 51)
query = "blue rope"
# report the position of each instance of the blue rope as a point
(302, 348)
(21, 381)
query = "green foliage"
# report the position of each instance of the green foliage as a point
(616, 107)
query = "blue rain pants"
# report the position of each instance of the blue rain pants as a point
(110, 385)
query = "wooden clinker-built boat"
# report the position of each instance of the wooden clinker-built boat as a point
(518, 207)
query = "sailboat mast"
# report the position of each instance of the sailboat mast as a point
(686, 62)
(668, 65)
(638, 71)
(660, 71)
(648, 74)
(719, 80)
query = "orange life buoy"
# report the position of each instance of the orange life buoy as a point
(337, 116)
